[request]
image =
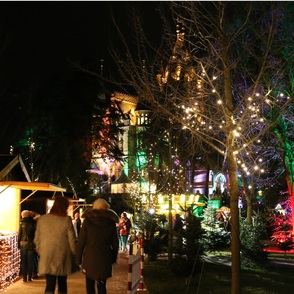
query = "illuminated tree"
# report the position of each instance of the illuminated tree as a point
(276, 154)
(280, 226)
(228, 56)
(274, 151)
(285, 148)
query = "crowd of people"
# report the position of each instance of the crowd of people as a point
(52, 245)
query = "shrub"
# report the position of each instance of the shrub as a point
(251, 244)
(216, 239)
(155, 234)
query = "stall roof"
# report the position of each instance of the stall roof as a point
(40, 186)
(12, 168)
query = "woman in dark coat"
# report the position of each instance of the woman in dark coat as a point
(98, 245)
(26, 236)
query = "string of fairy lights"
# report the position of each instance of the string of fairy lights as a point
(249, 119)
(9, 260)
(206, 112)
(203, 109)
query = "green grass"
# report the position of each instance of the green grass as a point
(212, 278)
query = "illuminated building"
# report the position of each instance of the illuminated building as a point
(136, 172)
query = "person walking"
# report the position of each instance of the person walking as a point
(98, 245)
(56, 246)
(26, 234)
(124, 227)
(77, 224)
(177, 232)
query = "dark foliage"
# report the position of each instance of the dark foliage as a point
(251, 237)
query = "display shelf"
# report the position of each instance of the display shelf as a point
(9, 258)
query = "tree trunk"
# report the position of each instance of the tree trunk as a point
(248, 195)
(249, 209)
(232, 168)
(206, 192)
(170, 204)
(290, 184)
(235, 226)
(170, 227)
(192, 174)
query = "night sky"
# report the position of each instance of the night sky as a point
(42, 36)
(40, 39)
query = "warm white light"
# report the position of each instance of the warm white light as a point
(236, 133)
(151, 210)
(153, 188)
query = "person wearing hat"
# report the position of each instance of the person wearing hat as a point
(98, 245)
(26, 234)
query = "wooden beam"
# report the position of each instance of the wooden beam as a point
(6, 170)
(39, 186)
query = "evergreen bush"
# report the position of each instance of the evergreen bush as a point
(251, 237)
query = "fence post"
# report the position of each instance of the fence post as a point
(130, 268)
(136, 267)
(142, 264)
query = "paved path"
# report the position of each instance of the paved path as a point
(117, 284)
(271, 261)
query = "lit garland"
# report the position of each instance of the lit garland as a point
(249, 119)
(9, 260)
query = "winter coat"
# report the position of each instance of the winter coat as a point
(55, 244)
(26, 233)
(98, 244)
(124, 226)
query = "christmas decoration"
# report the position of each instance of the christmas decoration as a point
(9, 259)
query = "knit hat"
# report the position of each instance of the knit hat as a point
(25, 213)
(101, 204)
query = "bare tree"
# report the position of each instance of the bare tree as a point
(219, 79)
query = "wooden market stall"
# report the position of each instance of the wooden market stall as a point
(10, 206)
(13, 179)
